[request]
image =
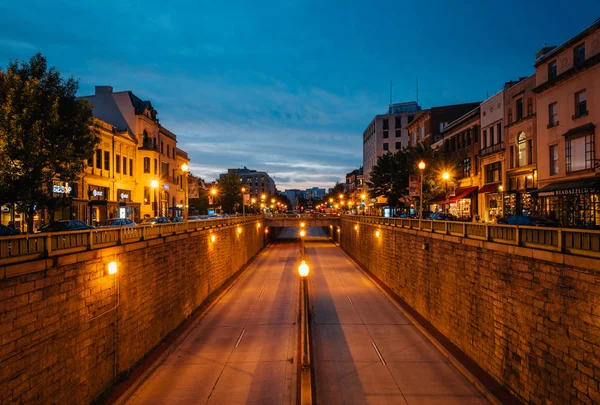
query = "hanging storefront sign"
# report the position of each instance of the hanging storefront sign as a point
(124, 195)
(193, 188)
(414, 186)
(97, 192)
(58, 189)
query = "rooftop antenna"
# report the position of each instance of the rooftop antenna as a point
(417, 90)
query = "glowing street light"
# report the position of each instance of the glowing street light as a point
(303, 269)
(341, 196)
(421, 168)
(446, 176)
(185, 169)
(302, 233)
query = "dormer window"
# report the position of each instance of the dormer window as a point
(579, 55)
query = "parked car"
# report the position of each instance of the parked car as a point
(194, 218)
(442, 216)
(527, 220)
(8, 231)
(156, 220)
(177, 219)
(66, 225)
(116, 222)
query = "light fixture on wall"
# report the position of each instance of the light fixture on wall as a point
(239, 229)
(356, 227)
(213, 238)
(377, 233)
(112, 268)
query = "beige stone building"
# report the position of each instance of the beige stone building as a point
(568, 114)
(157, 167)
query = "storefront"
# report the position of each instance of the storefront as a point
(573, 203)
(460, 202)
(518, 199)
(492, 202)
(98, 204)
(126, 208)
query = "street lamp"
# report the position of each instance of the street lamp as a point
(243, 201)
(213, 192)
(446, 176)
(363, 196)
(421, 168)
(154, 185)
(185, 169)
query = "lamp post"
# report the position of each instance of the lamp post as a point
(213, 192)
(363, 196)
(185, 169)
(243, 201)
(154, 185)
(421, 168)
(501, 189)
(446, 176)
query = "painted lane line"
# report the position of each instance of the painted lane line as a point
(240, 338)
(378, 353)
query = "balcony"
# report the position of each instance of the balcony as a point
(499, 147)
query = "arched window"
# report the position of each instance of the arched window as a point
(521, 150)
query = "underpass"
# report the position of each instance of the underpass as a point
(244, 350)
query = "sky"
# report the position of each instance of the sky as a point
(287, 86)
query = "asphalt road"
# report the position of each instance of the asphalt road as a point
(244, 351)
(365, 350)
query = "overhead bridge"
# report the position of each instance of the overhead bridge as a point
(288, 220)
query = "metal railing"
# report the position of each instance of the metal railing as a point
(581, 242)
(20, 248)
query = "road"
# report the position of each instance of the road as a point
(365, 350)
(244, 351)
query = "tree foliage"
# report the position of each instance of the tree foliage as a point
(390, 176)
(46, 133)
(230, 192)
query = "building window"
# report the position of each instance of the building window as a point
(512, 157)
(510, 116)
(580, 104)
(118, 164)
(164, 169)
(529, 107)
(398, 145)
(385, 124)
(579, 55)
(499, 130)
(385, 134)
(529, 151)
(155, 166)
(168, 150)
(580, 153)
(398, 122)
(552, 70)
(385, 146)
(98, 158)
(146, 195)
(519, 109)
(90, 161)
(491, 140)
(469, 137)
(521, 150)
(106, 160)
(124, 165)
(493, 172)
(552, 115)
(466, 167)
(398, 133)
(484, 139)
(131, 167)
(146, 165)
(553, 160)
(162, 151)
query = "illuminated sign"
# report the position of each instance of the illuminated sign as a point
(97, 193)
(124, 196)
(61, 189)
(166, 186)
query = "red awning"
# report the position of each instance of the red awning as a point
(489, 188)
(460, 193)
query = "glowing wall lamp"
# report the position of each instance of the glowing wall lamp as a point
(356, 227)
(378, 234)
(239, 229)
(112, 268)
(213, 238)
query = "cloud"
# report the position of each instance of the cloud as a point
(16, 44)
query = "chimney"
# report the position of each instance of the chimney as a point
(104, 90)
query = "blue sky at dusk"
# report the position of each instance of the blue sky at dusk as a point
(287, 86)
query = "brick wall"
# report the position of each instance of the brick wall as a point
(531, 319)
(61, 338)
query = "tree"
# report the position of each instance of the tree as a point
(230, 191)
(46, 133)
(389, 177)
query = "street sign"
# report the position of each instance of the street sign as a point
(246, 198)
(451, 189)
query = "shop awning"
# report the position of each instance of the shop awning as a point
(460, 193)
(573, 187)
(489, 188)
